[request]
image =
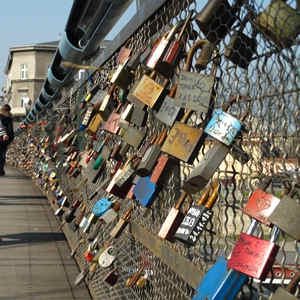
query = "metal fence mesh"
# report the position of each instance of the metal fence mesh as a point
(270, 111)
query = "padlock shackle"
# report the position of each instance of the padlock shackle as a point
(203, 198)
(197, 45)
(214, 196)
(180, 200)
(184, 26)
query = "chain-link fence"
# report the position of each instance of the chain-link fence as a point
(248, 52)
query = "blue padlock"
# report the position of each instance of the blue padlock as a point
(99, 208)
(219, 283)
(144, 191)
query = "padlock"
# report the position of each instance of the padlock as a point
(109, 216)
(254, 256)
(131, 281)
(70, 213)
(198, 216)
(143, 280)
(123, 55)
(288, 294)
(241, 47)
(107, 104)
(160, 48)
(196, 91)
(220, 282)
(216, 18)
(151, 155)
(99, 208)
(138, 116)
(121, 224)
(145, 188)
(90, 95)
(260, 204)
(167, 64)
(147, 91)
(87, 118)
(286, 216)
(280, 23)
(112, 123)
(173, 219)
(224, 128)
(107, 257)
(169, 111)
(95, 123)
(182, 140)
(122, 77)
(112, 277)
(134, 136)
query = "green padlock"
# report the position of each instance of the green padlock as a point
(280, 23)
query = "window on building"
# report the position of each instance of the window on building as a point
(24, 71)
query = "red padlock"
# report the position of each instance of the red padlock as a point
(254, 256)
(261, 205)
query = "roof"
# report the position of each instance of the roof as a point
(45, 46)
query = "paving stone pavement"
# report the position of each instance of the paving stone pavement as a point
(35, 262)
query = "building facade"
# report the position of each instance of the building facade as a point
(25, 71)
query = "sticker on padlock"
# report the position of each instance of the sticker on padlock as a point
(223, 127)
(107, 257)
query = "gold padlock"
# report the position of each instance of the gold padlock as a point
(148, 91)
(95, 124)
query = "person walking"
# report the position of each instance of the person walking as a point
(6, 134)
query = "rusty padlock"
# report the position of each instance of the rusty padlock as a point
(196, 91)
(216, 18)
(169, 111)
(151, 155)
(112, 123)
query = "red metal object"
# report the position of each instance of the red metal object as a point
(261, 205)
(253, 256)
(159, 168)
(88, 255)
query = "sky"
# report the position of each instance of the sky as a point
(25, 22)
(30, 21)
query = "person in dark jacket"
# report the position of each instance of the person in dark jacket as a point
(6, 134)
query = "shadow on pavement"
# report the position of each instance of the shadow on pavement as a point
(31, 237)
